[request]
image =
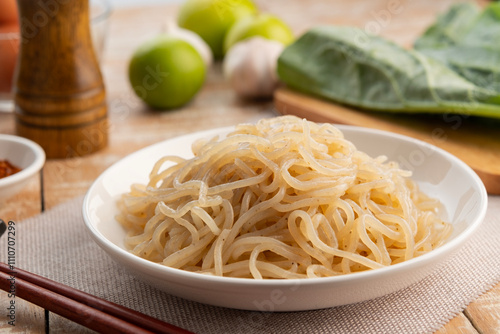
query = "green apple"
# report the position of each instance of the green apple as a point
(166, 72)
(211, 19)
(264, 25)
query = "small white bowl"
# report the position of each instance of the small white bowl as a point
(438, 173)
(23, 153)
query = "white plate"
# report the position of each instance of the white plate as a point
(23, 153)
(438, 173)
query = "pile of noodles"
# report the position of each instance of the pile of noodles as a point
(285, 198)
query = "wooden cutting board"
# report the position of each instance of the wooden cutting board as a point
(474, 140)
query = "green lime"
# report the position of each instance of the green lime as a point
(264, 25)
(166, 72)
(212, 18)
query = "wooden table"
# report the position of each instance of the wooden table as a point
(133, 126)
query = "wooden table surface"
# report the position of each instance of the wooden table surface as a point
(133, 126)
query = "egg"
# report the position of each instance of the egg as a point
(9, 49)
(8, 12)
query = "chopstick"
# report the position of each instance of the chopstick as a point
(87, 310)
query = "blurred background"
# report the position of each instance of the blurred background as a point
(128, 3)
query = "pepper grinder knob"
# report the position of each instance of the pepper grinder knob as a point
(59, 91)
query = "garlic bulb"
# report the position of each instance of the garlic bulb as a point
(192, 38)
(250, 66)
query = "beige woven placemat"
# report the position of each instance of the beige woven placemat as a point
(57, 245)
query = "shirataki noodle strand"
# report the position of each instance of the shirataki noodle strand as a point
(283, 198)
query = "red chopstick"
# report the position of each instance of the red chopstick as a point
(87, 310)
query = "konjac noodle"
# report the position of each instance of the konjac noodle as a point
(283, 198)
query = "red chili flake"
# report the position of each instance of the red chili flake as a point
(6, 168)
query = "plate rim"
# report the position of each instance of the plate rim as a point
(24, 173)
(447, 248)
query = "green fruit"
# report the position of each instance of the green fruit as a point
(211, 19)
(166, 72)
(264, 25)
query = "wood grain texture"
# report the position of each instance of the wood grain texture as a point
(29, 317)
(484, 312)
(132, 126)
(476, 141)
(24, 204)
(458, 325)
(59, 91)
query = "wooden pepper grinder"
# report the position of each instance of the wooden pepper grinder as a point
(59, 92)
